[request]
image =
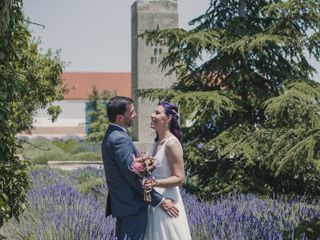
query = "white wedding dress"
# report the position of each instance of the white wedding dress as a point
(160, 225)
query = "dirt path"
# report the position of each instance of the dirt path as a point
(73, 165)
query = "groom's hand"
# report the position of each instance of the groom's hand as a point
(168, 207)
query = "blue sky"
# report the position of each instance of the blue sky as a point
(94, 35)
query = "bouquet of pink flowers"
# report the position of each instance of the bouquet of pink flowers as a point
(143, 164)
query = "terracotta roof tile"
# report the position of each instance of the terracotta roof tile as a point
(81, 83)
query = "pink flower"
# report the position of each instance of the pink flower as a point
(137, 167)
(143, 164)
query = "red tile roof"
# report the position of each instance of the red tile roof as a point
(81, 83)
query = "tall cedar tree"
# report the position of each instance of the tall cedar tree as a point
(28, 81)
(97, 114)
(244, 81)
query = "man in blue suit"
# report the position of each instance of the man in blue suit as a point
(125, 196)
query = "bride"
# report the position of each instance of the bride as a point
(169, 175)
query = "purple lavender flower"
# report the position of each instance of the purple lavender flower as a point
(57, 210)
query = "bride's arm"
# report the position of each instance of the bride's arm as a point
(175, 158)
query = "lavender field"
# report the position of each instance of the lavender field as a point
(71, 205)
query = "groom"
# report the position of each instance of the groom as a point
(125, 196)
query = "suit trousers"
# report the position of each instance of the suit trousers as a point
(132, 227)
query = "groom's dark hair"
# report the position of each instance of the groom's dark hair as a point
(117, 106)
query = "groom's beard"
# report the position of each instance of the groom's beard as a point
(129, 122)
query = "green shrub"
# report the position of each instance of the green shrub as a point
(42, 150)
(88, 181)
(44, 157)
(90, 185)
(309, 229)
(67, 146)
(83, 175)
(73, 146)
(86, 156)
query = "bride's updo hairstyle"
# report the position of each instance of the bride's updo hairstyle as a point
(172, 110)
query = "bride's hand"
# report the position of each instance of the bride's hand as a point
(149, 184)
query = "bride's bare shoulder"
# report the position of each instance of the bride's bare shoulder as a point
(173, 142)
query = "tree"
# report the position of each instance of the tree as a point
(28, 80)
(97, 114)
(245, 82)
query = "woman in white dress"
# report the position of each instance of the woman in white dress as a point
(169, 175)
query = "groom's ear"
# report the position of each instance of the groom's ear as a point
(119, 117)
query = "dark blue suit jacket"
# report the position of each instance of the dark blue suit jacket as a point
(125, 192)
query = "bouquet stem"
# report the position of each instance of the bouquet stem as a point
(147, 196)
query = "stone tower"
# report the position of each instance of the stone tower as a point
(148, 15)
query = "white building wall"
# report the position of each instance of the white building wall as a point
(73, 115)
